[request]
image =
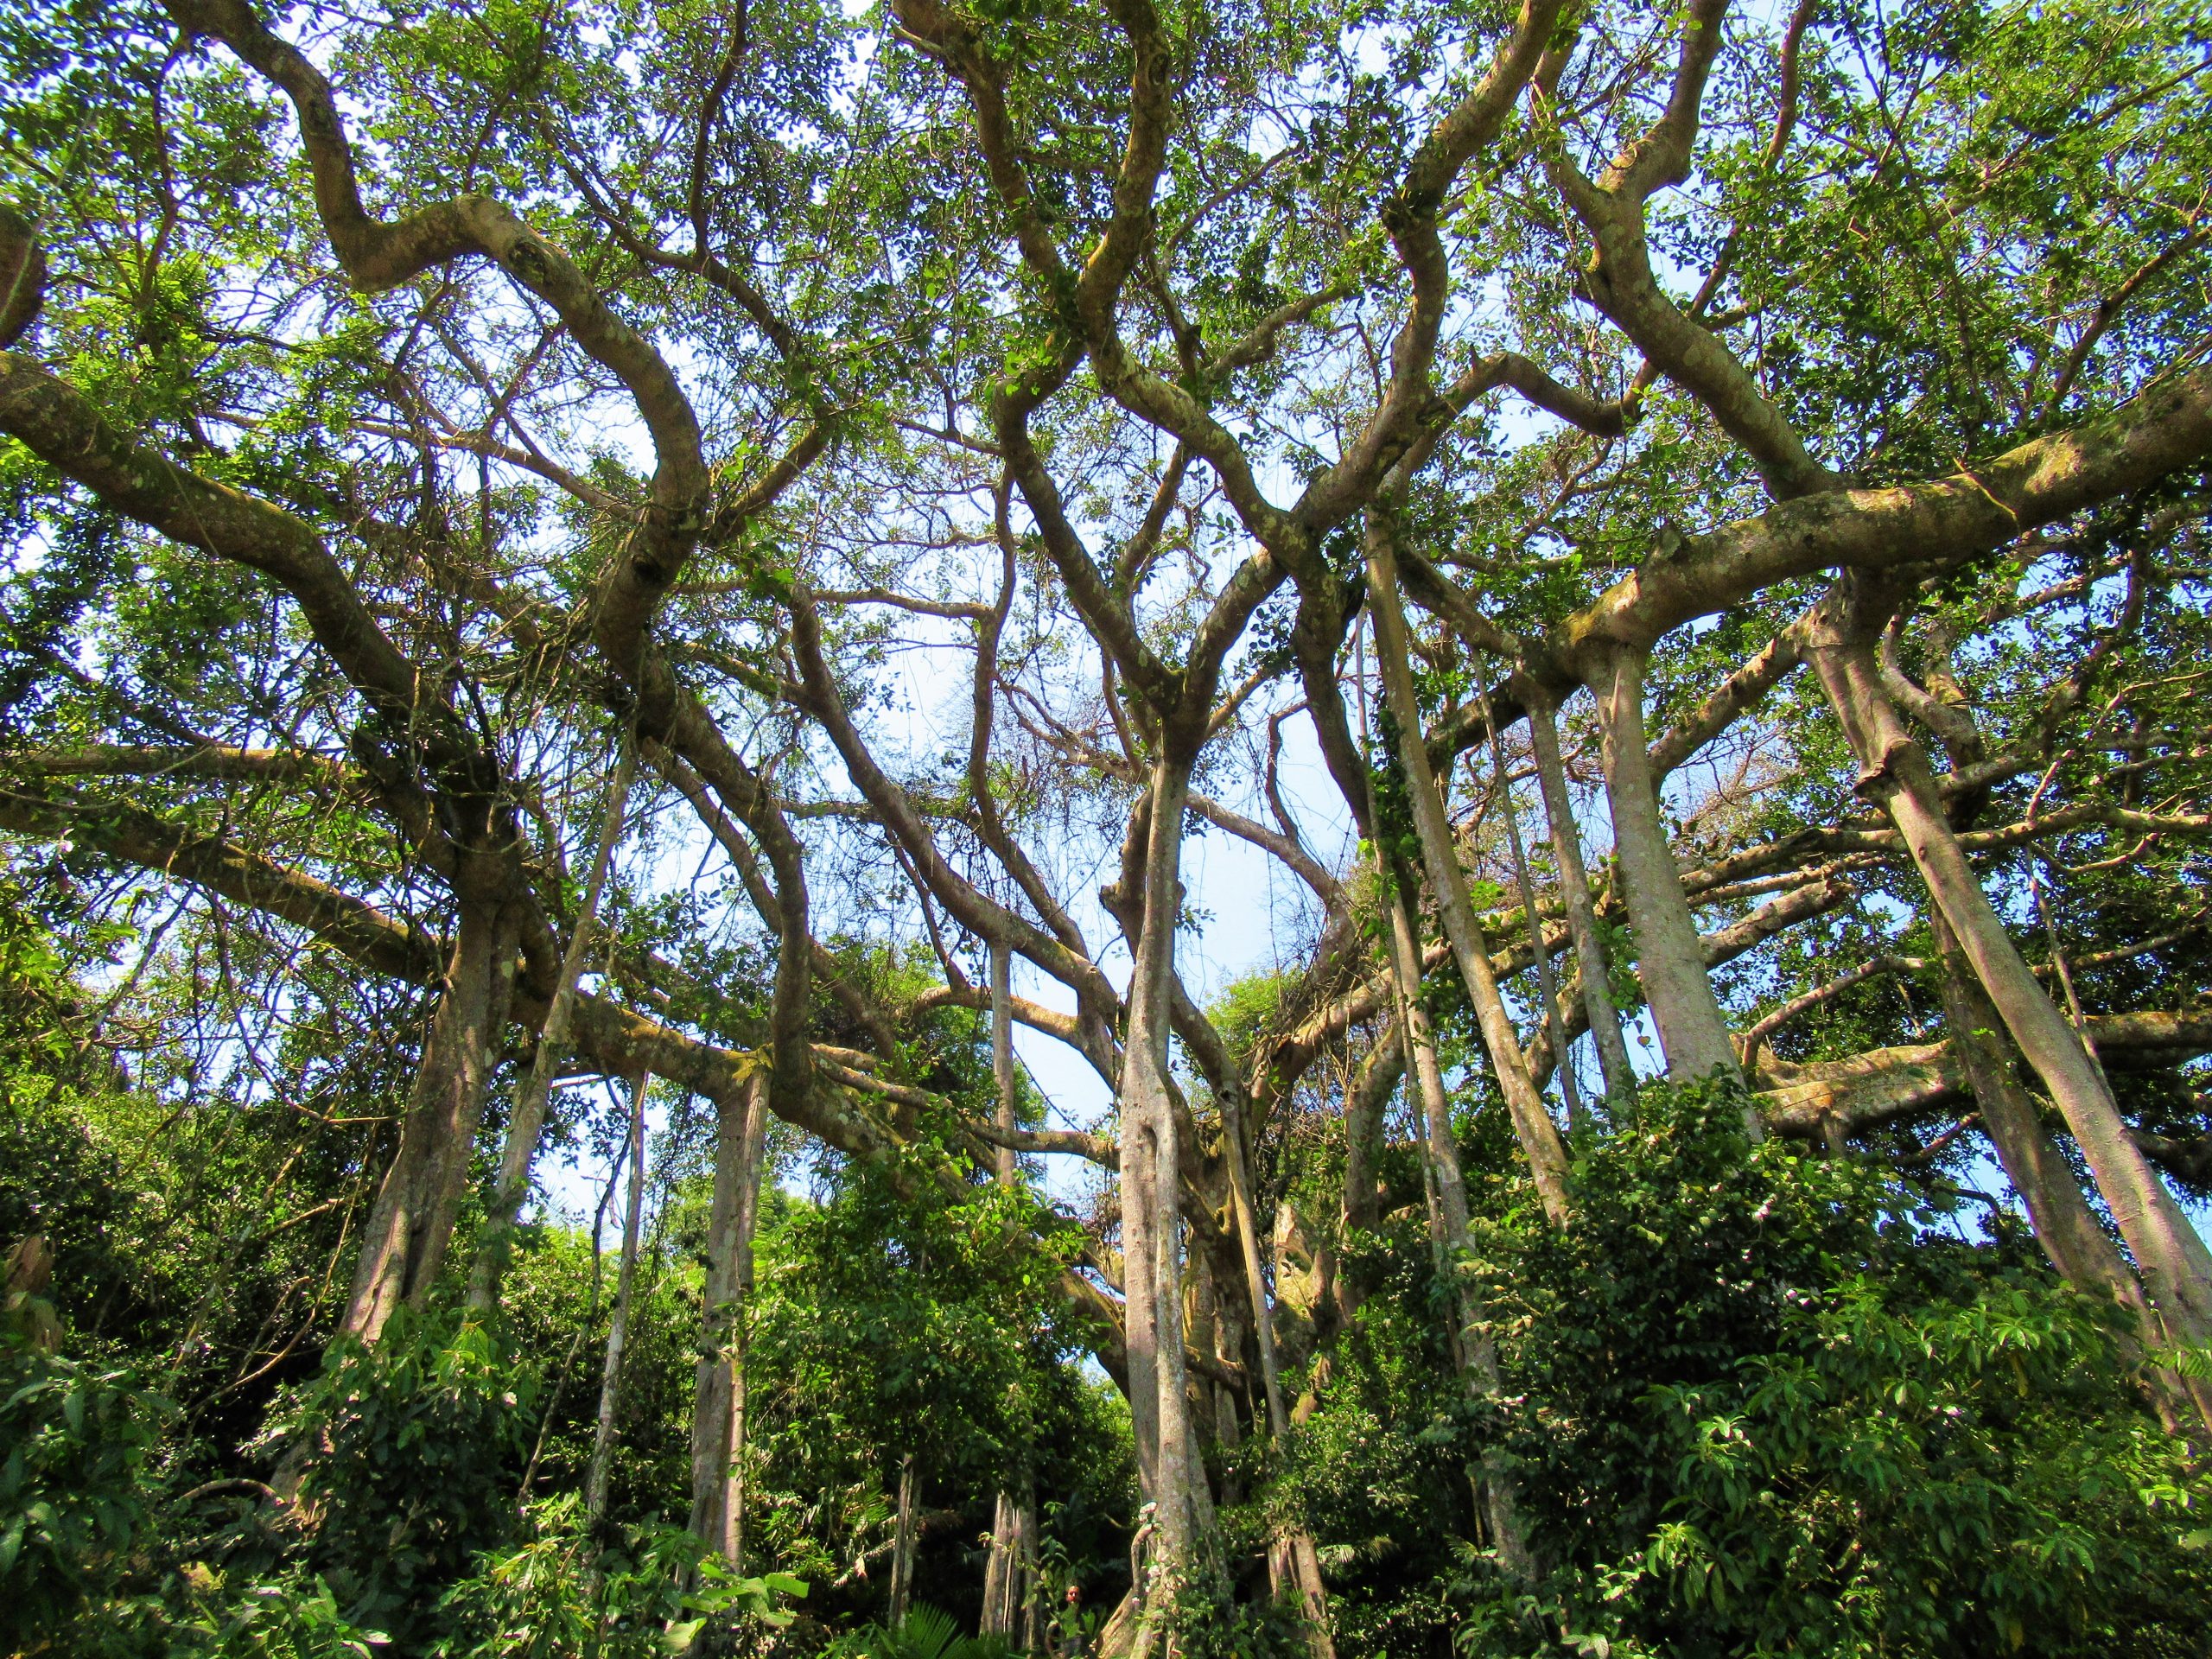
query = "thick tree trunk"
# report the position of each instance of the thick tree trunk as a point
(526, 1119)
(1024, 1555)
(1447, 1187)
(1894, 771)
(403, 1242)
(1293, 1559)
(2064, 1225)
(1691, 1030)
(717, 1416)
(1605, 1018)
(1212, 1306)
(618, 1327)
(1366, 1092)
(1532, 1122)
(1009, 1577)
(736, 1488)
(1236, 1155)
(1151, 1177)
(1140, 1310)
(1428, 1076)
(999, 1597)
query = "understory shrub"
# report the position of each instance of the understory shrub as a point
(1758, 1401)
(75, 1444)
(561, 1593)
(418, 1448)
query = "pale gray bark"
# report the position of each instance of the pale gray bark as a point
(718, 1410)
(1027, 1610)
(1010, 1568)
(404, 1241)
(1151, 1179)
(1473, 1351)
(1471, 1342)
(902, 1545)
(1236, 1155)
(1532, 1123)
(1604, 1018)
(1291, 1555)
(2060, 1217)
(748, 1220)
(1139, 1301)
(1366, 1092)
(1547, 984)
(1008, 1169)
(2064, 1226)
(1010, 1575)
(1000, 1592)
(1670, 959)
(527, 1117)
(618, 1329)
(1894, 771)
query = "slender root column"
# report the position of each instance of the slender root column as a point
(1895, 771)
(718, 1418)
(1532, 1124)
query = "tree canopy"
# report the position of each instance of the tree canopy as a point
(1209, 828)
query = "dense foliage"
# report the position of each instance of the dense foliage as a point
(1251, 827)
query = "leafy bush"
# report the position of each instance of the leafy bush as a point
(73, 1446)
(560, 1595)
(1377, 1473)
(1211, 1623)
(1759, 1403)
(924, 1633)
(419, 1444)
(900, 1315)
(289, 1617)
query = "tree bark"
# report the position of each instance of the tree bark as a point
(1151, 1176)
(998, 1575)
(756, 1134)
(526, 1119)
(902, 1543)
(1008, 1169)
(1024, 1555)
(1009, 1578)
(1605, 1018)
(1291, 1555)
(718, 1412)
(2064, 1226)
(1009, 1567)
(404, 1241)
(1475, 1351)
(1894, 772)
(1547, 985)
(618, 1328)
(1365, 1094)
(1671, 961)
(1532, 1122)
